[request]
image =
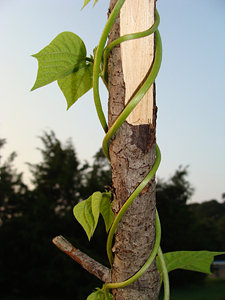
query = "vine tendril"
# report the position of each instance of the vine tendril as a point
(102, 54)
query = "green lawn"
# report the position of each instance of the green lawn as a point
(211, 290)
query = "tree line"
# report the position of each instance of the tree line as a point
(30, 217)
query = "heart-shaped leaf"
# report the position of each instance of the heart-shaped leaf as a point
(63, 55)
(80, 213)
(87, 212)
(100, 294)
(89, 216)
(199, 261)
(95, 205)
(76, 84)
(97, 295)
(106, 210)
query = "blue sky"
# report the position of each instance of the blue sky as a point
(190, 85)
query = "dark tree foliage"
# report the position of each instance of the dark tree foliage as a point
(187, 226)
(176, 219)
(221, 229)
(32, 266)
(12, 189)
(210, 215)
(99, 175)
(57, 179)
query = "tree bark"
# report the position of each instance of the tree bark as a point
(132, 154)
(87, 263)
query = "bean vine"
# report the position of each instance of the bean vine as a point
(65, 60)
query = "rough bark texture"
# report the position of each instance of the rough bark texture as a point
(87, 263)
(132, 153)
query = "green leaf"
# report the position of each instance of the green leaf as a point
(106, 210)
(87, 1)
(80, 212)
(97, 295)
(63, 55)
(100, 294)
(87, 212)
(76, 84)
(89, 216)
(95, 205)
(108, 295)
(93, 296)
(199, 261)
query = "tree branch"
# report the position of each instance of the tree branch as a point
(87, 263)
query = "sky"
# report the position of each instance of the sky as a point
(190, 86)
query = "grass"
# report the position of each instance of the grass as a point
(211, 290)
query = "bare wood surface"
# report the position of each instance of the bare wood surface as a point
(137, 55)
(88, 263)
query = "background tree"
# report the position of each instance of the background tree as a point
(188, 226)
(210, 215)
(33, 217)
(172, 197)
(98, 177)
(12, 188)
(182, 227)
(58, 178)
(221, 229)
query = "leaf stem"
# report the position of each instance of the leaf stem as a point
(90, 59)
(165, 276)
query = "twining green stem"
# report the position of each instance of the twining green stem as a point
(102, 54)
(139, 94)
(147, 264)
(127, 37)
(129, 202)
(98, 59)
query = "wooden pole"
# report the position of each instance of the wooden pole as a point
(132, 154)
(132, 151)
